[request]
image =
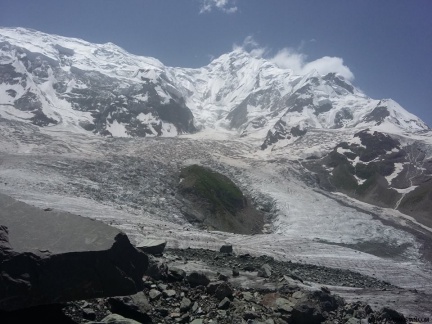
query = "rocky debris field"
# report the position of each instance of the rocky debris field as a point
(176, 291)
(296, 271)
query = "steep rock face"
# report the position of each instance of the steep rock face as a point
(233, 90)
(329, 102)
(49, 80)
(379, 169)
(260, 100)
(50, 257)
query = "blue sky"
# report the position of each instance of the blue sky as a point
(385, 46)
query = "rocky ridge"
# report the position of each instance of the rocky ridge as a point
(379, 169)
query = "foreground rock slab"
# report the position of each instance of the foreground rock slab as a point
(49, 257)
(152, 246)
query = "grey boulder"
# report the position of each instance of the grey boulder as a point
(152, 246)
(226, 249)
(49, 257)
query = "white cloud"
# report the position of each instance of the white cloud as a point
(303, 44)
(251, 46)
(258, 52)
(329, 64)
(226, 6)
(288, 58)
(293, 59)
(250, 42)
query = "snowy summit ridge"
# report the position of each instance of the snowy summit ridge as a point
(55, 81)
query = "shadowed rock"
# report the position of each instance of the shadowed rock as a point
(227, 248)
(197, 279)
(151, 246)
(49, 257)
(265, 271)
(134, 307)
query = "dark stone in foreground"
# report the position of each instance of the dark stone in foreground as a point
(224, 304)
(235, 272)
(50, 314)
(175, 274)
(50, 257)
(153, 247)
(307, 312)
(157, 270)
(265, 271)
(388, 315)
(197, 279)
(134, 307)
(220, 290)
(226, 249)
(223, 290)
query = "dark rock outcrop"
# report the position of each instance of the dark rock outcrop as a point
(49, 314)
(154, 247)
(157, 270)
(49, 257)
(265, 271)
(382, 171)
(134, 307)
(197, 279)
(227, 248)
(143, 108)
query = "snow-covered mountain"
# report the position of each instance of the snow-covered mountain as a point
(343, 180)
(346, 137)
(57, 81)
(255, 97)
(50, 80)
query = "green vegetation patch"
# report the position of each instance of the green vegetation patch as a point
(214, 187)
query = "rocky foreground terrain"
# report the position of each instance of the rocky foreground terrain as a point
(83, 258)
(246, 290)
(227, 288)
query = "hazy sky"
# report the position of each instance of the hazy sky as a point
(383, 46)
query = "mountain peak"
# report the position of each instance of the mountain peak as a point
(67, 82)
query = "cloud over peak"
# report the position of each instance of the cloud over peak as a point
(226, 6)
(288, 58)
(251, 46)
(293, 59)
